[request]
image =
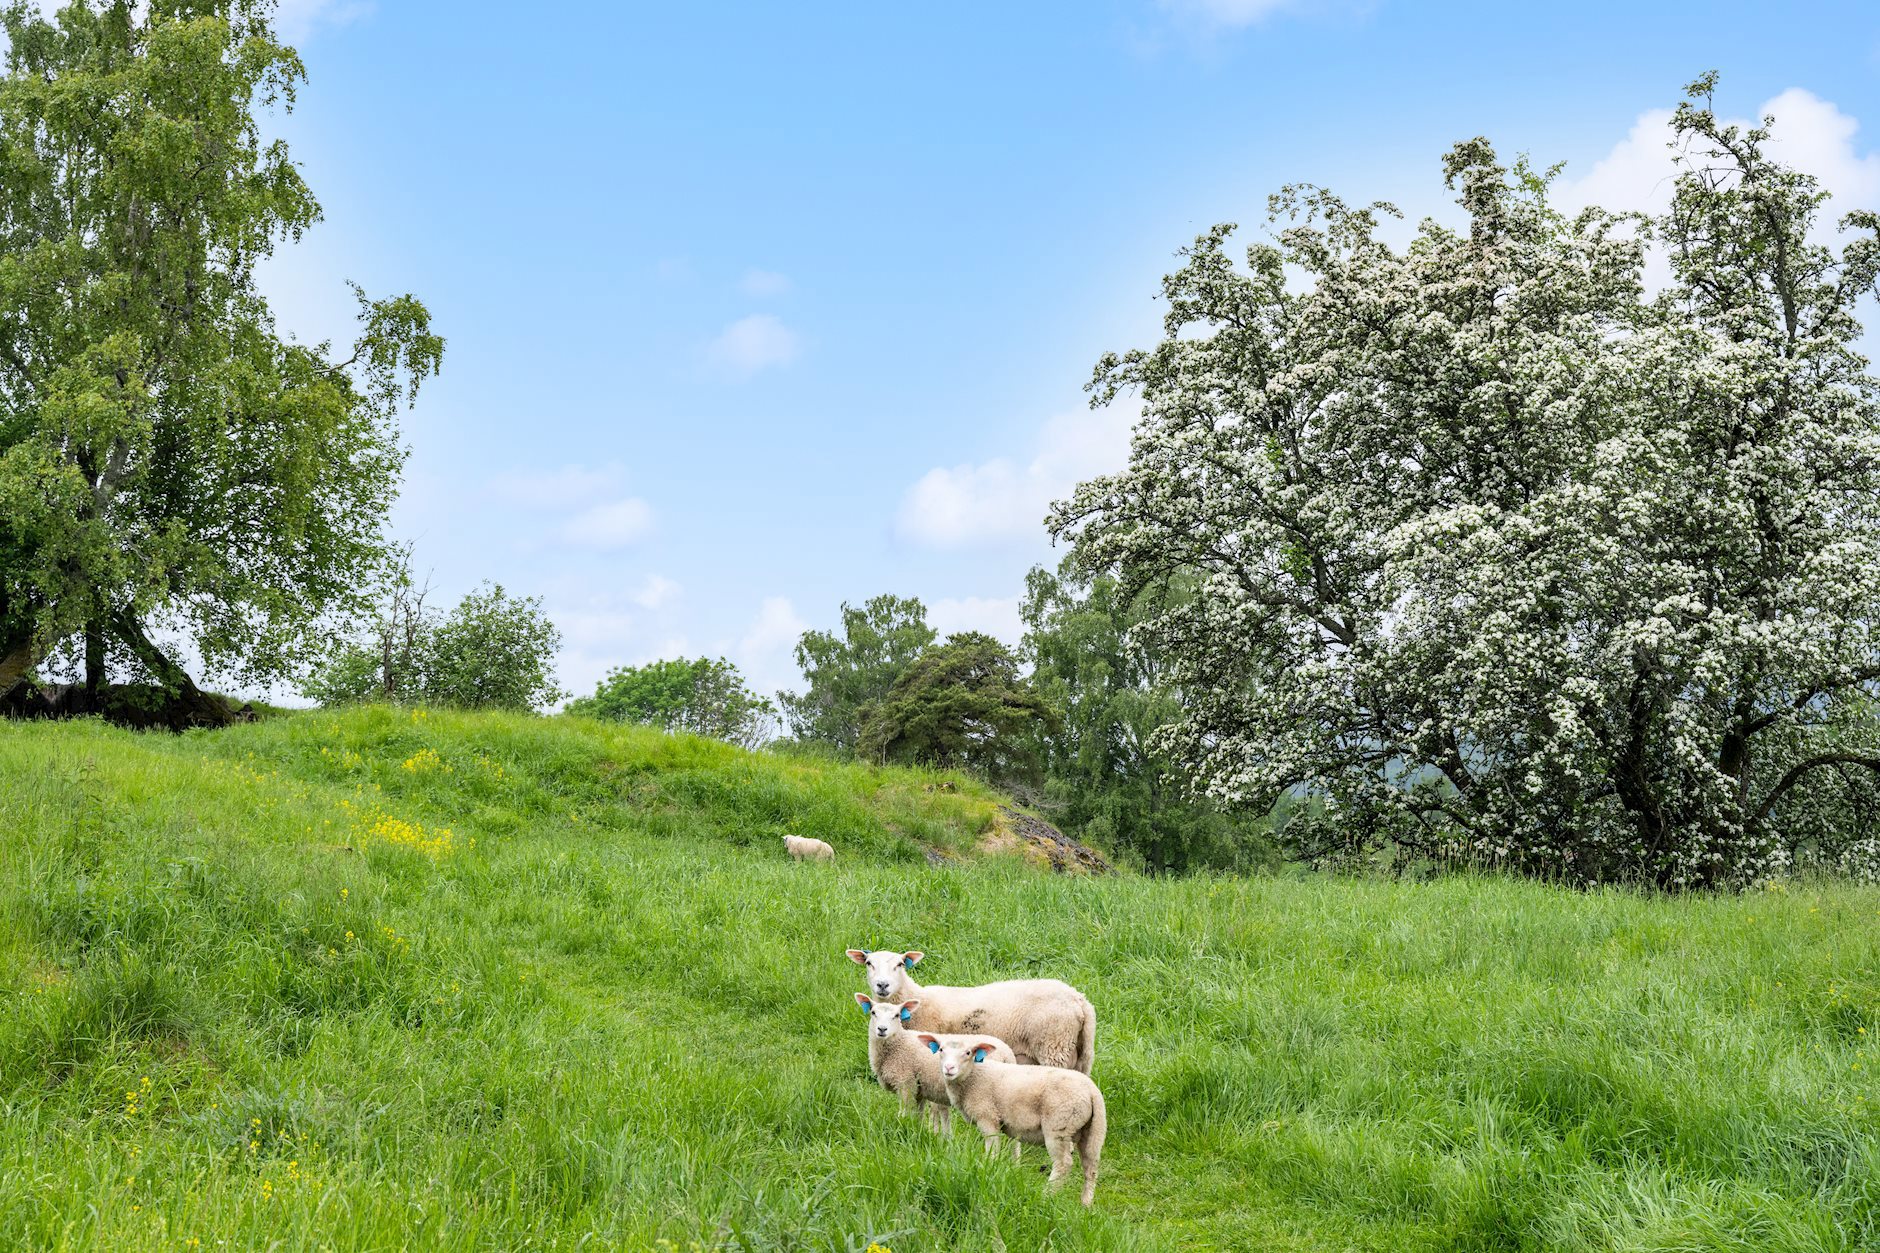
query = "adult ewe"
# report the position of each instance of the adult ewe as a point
(803, 848)
(1060, 1109)
(1046, 1021)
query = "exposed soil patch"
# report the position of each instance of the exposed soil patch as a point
(1042, 843)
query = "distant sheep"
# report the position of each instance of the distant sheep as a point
(1047, 1022)
(1060, 1109)
(802, 847)
(908, 1070)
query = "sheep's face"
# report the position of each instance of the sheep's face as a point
(884, 1017)
(887, 972)
(957, 1057)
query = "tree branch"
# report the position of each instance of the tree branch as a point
(1801, 768)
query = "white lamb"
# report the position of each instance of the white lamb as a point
(906, 1069)
(1060, 1109)
(802, 847)
(1046, 1021)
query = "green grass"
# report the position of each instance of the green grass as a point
(604, 1005)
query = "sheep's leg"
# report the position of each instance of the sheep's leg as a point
(908, 1101)
(1060, 1150)
(1018, 1150)
(991, 1135)
(1090, 1175)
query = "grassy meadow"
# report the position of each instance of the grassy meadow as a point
(382, 980)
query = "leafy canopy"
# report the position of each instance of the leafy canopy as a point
(707, 696)
(165, 452)
(962, 704)
(847, 675)
(1106, 778)
(493, 651)
(1501, 558)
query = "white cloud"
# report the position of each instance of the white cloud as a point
(766, 652)
(996, 616)
(1233, 13)
(656, 592)
(616, 524)
(755, 343)
(296, 20)
(999, 501)
(1810, 133)
(568, 487)
(764, 283)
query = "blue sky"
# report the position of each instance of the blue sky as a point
(755, 308)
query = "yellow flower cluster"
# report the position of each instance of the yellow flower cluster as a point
(426, 759)
(133, 1099)
(433, 842)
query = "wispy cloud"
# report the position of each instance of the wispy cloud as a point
(996, 616)
(764, 283)
(567, 487)
(656, 592)
(1001, 500)
(758, 342)
(296, 21)
(1229, 13)
(614, 525)
(766, 652)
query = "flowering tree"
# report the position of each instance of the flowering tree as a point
(1502, 558)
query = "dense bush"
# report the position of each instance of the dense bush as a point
(493, 651)
(706, 696)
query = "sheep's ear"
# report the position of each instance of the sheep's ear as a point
(933, 1045)
(979, 1053)
(907, 1010)
(861, 998)
(913, 957)
(859, 956)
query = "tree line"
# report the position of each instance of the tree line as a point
(1473, 551)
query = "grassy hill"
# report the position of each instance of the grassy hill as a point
(383, 980)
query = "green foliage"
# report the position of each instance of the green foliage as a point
(493, 651)
(962, 704)
(845, 676)
(1109, 782)
(622, 1015)
(707, 696)
(164, 452)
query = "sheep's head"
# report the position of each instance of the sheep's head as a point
(887, 972)
(960, 1056)
(884, 1017)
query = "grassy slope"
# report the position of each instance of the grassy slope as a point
(621, 1011)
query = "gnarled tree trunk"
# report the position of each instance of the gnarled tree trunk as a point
(196, 707)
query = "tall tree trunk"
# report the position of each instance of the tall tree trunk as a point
(94, 662)
(196, 707)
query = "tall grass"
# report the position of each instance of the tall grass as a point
(377, 980)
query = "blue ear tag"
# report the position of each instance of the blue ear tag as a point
(906, 1013)
(979, 1055)
(933, 1046)
(868, 1006)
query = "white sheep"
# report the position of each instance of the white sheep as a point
(1046, 1021)
(802, 847)
(1060, 1109)
(906, 1069)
